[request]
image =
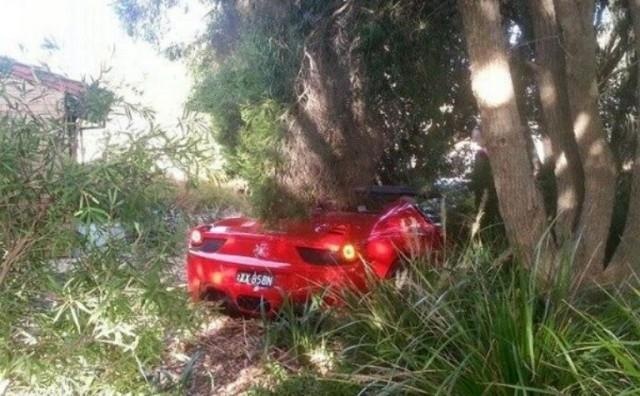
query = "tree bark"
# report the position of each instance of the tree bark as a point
(626, 259)
(576, 22)
(521, 203)
(552, 88)
(334, 138)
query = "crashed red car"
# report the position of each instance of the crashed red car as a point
(252, 268)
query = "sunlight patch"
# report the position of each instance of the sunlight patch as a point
(492, 84)
(322, 359)
(566, 201)
(580, 125)
(548, 93)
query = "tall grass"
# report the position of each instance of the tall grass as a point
(474, 328)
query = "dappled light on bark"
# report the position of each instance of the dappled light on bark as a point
(502, 127)
(492, 84)
(578, 35)
(580, 126)
(626, 260)
(550, 74)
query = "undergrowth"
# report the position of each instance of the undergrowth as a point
(98, 327)
(89, 295)
(476, 325)
(88, 299)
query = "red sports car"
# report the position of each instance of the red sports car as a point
(252, 268)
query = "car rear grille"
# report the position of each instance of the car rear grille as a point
(253, 304)
(319, 256)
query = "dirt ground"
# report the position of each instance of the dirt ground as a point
(226, 357)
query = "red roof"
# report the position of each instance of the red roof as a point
(45, 77)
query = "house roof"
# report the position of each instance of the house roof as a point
(40, 75)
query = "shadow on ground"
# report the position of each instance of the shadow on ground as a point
(224, 359)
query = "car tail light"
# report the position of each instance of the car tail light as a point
(326, 256)
(349, 252)
(196, 238)
(209, 245)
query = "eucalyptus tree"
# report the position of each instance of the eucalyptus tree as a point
(567, 70)
(310, 99)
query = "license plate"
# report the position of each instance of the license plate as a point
(255, 279)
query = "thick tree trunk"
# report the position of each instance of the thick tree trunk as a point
(334, 139)
(552, 87)
(521, 204)
(626, 259)
(576, 22)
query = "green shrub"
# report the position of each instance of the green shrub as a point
(83, 312)
(100, 326)
(247, 95)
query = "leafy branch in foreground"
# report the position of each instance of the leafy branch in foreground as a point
(88, 293)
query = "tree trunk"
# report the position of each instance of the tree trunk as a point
(521, 203)
(576, 22)
(334, 139)
(552, 88)
(626, 259)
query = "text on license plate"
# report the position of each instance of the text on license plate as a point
(255, 279)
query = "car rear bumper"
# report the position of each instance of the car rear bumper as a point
(215, 277)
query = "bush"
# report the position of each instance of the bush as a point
(88, 293)
(247, 95)
(98, 327)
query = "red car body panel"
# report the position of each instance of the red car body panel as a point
(242, 245)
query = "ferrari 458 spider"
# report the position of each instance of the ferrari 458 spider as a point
(252, 268)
